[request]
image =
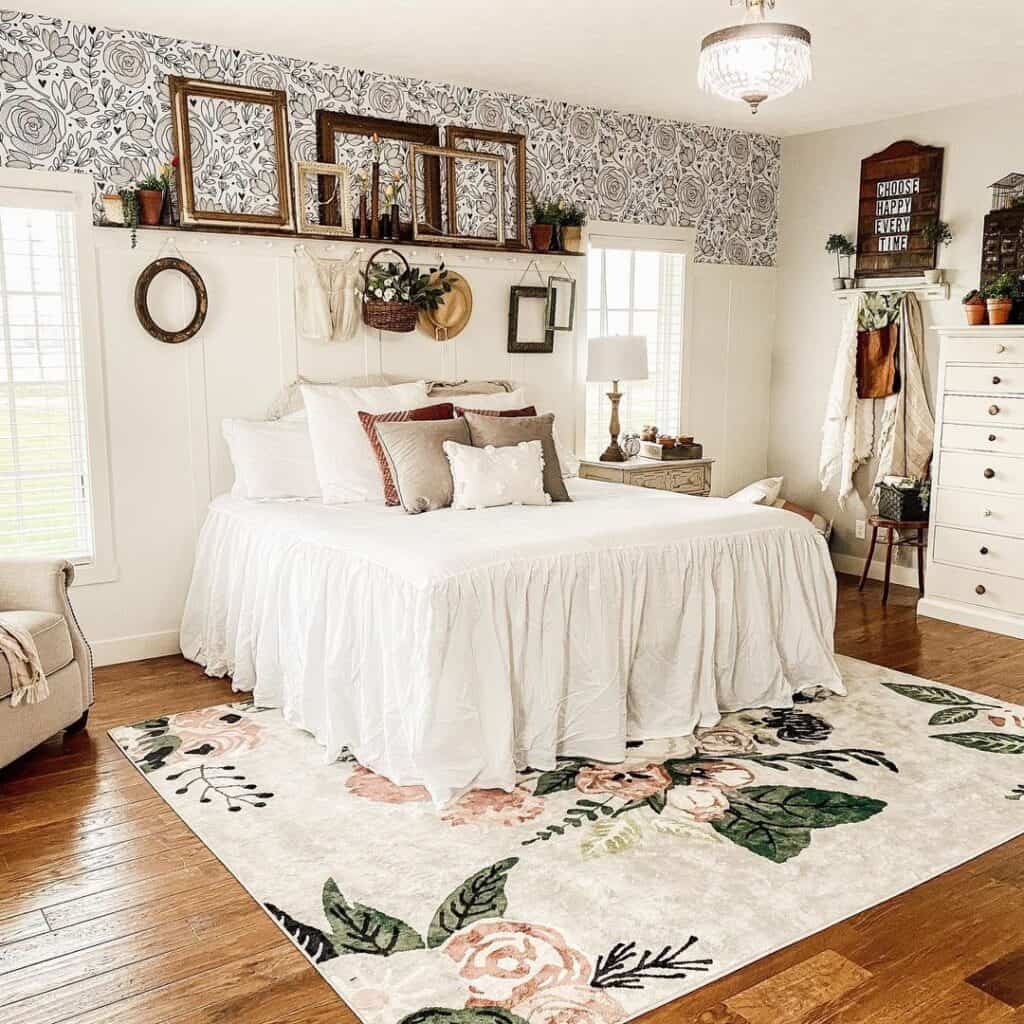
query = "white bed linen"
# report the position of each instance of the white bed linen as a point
(452, 648)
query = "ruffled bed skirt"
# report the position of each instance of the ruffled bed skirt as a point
(458, 682)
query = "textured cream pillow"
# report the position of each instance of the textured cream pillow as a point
(418, 464)
(487, 477)
(763, 492)
(271, 459)
(345, 463)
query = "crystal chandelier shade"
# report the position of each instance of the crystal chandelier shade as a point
(756, 61)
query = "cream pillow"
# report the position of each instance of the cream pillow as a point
(487, 477)
(498, 402)
(271, 459)
(763, 492)
(345, 463)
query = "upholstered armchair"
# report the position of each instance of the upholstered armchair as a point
(34, 594)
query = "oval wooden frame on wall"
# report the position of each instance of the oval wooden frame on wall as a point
(147, 277)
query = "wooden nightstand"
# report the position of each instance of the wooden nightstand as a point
(685, 476)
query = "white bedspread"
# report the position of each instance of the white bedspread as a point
(452, 648)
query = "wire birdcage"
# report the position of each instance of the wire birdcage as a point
(1007, 191)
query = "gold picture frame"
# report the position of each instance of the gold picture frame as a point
(448, 153)
(339, 202)
(182, 91)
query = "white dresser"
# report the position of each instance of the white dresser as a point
(976, 540)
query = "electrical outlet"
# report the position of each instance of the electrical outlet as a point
(861, 529)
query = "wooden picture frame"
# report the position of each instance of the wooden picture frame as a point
(451, 155)
(330, 123)
(551, 311)
(517, 293)
(456, 134)
(339, 201)
(182, 91)
(146, 278)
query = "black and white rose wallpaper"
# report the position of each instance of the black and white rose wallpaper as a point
(80, 97)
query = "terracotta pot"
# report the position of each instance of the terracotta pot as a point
(151, 202)
(540, 236)
(571, 238)
(999, 311)
(976, 313)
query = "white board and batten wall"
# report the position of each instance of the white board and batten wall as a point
(165, 403)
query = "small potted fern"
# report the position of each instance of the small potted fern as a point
(546, 216)
(841, 246)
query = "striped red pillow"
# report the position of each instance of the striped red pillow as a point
(369, 420)
(528, 411)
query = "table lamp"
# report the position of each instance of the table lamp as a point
(615, 358)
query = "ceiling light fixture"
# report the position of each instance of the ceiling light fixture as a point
(756, 61)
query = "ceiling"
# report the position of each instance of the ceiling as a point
(873, 59)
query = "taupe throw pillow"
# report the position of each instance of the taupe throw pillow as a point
(502, 431)
(419, 466)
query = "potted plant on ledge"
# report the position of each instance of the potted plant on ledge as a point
(936, 232)
(571, 227)
(974, 308)
(999, 296)
(841, 246)
(546, 215)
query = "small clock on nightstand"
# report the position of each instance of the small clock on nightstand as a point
(683, 476)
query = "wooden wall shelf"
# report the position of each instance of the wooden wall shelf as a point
(423, 243)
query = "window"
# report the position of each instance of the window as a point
(53, 484)
(636, 286)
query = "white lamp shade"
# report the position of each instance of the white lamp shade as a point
(617, 357)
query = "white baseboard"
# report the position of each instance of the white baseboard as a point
(989, 619)
(851, 565)
(134, 648)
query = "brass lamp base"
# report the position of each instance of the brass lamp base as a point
(613, 453)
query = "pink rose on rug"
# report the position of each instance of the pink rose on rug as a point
(494, 807)
(699, 801)
(570, 1004)
(505, 962)
(632, 782)
(217, 731)
(724, 740)
(371, 786)
(726, 774)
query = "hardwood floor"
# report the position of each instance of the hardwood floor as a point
(111, 911)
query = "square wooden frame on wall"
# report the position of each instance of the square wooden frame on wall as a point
(181, 89)
(455, 134)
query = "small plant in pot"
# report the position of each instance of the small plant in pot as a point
(546, 216)
(571, 227)
(974, 308)
(152, 191)
(842, 247)
(999, 296)
(936, 233)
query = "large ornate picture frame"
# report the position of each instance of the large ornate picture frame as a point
(332, 123)
(450, 156)
(456, 135)
(273, 182)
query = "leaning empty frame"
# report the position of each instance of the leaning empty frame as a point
(495, 162)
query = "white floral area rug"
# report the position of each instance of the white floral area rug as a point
(594, 892)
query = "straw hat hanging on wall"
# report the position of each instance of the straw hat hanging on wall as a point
(451, 317)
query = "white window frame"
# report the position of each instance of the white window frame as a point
(102, 566)
(642, 238)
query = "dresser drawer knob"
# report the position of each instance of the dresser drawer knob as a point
(993, 410)
(992, 437)
(997, 380)
(979, 589)
(987, 513)
(983, 551)
(1000, 349)
(989, 473)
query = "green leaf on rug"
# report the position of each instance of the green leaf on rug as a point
(776, 821)
(557, 780)
(474, 1015)
(928, 694)
(613, 835)
(361, 929)
(479, 896)
(312, 941)
(158, 747)
(990, 742)
(953, 716)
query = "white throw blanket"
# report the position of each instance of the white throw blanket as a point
(907, 429)
(28, 683)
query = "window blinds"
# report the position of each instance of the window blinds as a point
(637, 291)
(45, 506)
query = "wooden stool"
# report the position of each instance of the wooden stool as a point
(919, 541)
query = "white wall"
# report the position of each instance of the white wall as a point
(165, 402)
(821, 174)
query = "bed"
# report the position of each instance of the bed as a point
(454, 648)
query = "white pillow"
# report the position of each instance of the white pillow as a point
(271, 459)
(500, 401)
(763, 492)
(486, 477)
(345, 463)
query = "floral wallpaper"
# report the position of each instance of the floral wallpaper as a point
(79, 97)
